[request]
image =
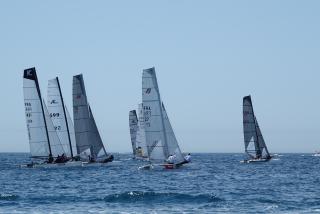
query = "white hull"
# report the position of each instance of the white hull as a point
(316, 155)
(141, 158)
(53, 165)
(260, 160)
(160, 166)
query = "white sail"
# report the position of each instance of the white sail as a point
(71, 132)
(133, 125)
(154, 124)
(58, 116)
(36, 124)
(141, 134)
(55, 143)
(86, 132)
(173, 145)
(255, 146)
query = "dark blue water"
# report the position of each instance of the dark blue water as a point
(213, 183)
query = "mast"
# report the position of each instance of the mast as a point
(30, 73)
(65, 116)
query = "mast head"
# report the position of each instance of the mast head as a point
(247, 98)
(150, 70)
(30, 73)
(133, 113)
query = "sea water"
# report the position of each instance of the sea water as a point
(212, 183)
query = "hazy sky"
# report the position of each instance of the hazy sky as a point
(207, 55)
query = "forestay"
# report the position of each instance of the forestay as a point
(255, 146)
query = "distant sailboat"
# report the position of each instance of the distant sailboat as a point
(43, 139)
(160, 139)
(137, 133)
(255, 146)
(88, 140)
(133, 125)
(141, 134)
(59, 116)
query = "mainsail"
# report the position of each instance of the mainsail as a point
(55, 143)
(43, 139)
(254, 143)
(141, 134)
(58, 115)
(35, 117)
(133, 125)
(87, 135)
(154, 125)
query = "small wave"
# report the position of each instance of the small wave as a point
(8, 197)
(138, 196)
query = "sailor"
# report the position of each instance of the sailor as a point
(187, 158)
(171, 159)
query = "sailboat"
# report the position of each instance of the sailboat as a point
(255, 146)
(133, 125)
(44, 142)
(137, 133)
(61, 119)
(88, 140)
(160, 138)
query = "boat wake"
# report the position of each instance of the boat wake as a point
(139, 196)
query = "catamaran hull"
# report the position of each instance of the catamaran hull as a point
(262, 160)
(161, 166)
(52, 165)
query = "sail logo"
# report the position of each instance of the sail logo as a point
(53, 102)
(29, 73)
(148, 91)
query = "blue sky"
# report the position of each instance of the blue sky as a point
(207, 55)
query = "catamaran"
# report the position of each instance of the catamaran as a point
(61, 120)
(137, 134)
(160, 138)
(133, 125)
(45, 145)
(255, 146)
(88, 140)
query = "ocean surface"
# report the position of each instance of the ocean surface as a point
(213, 183)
